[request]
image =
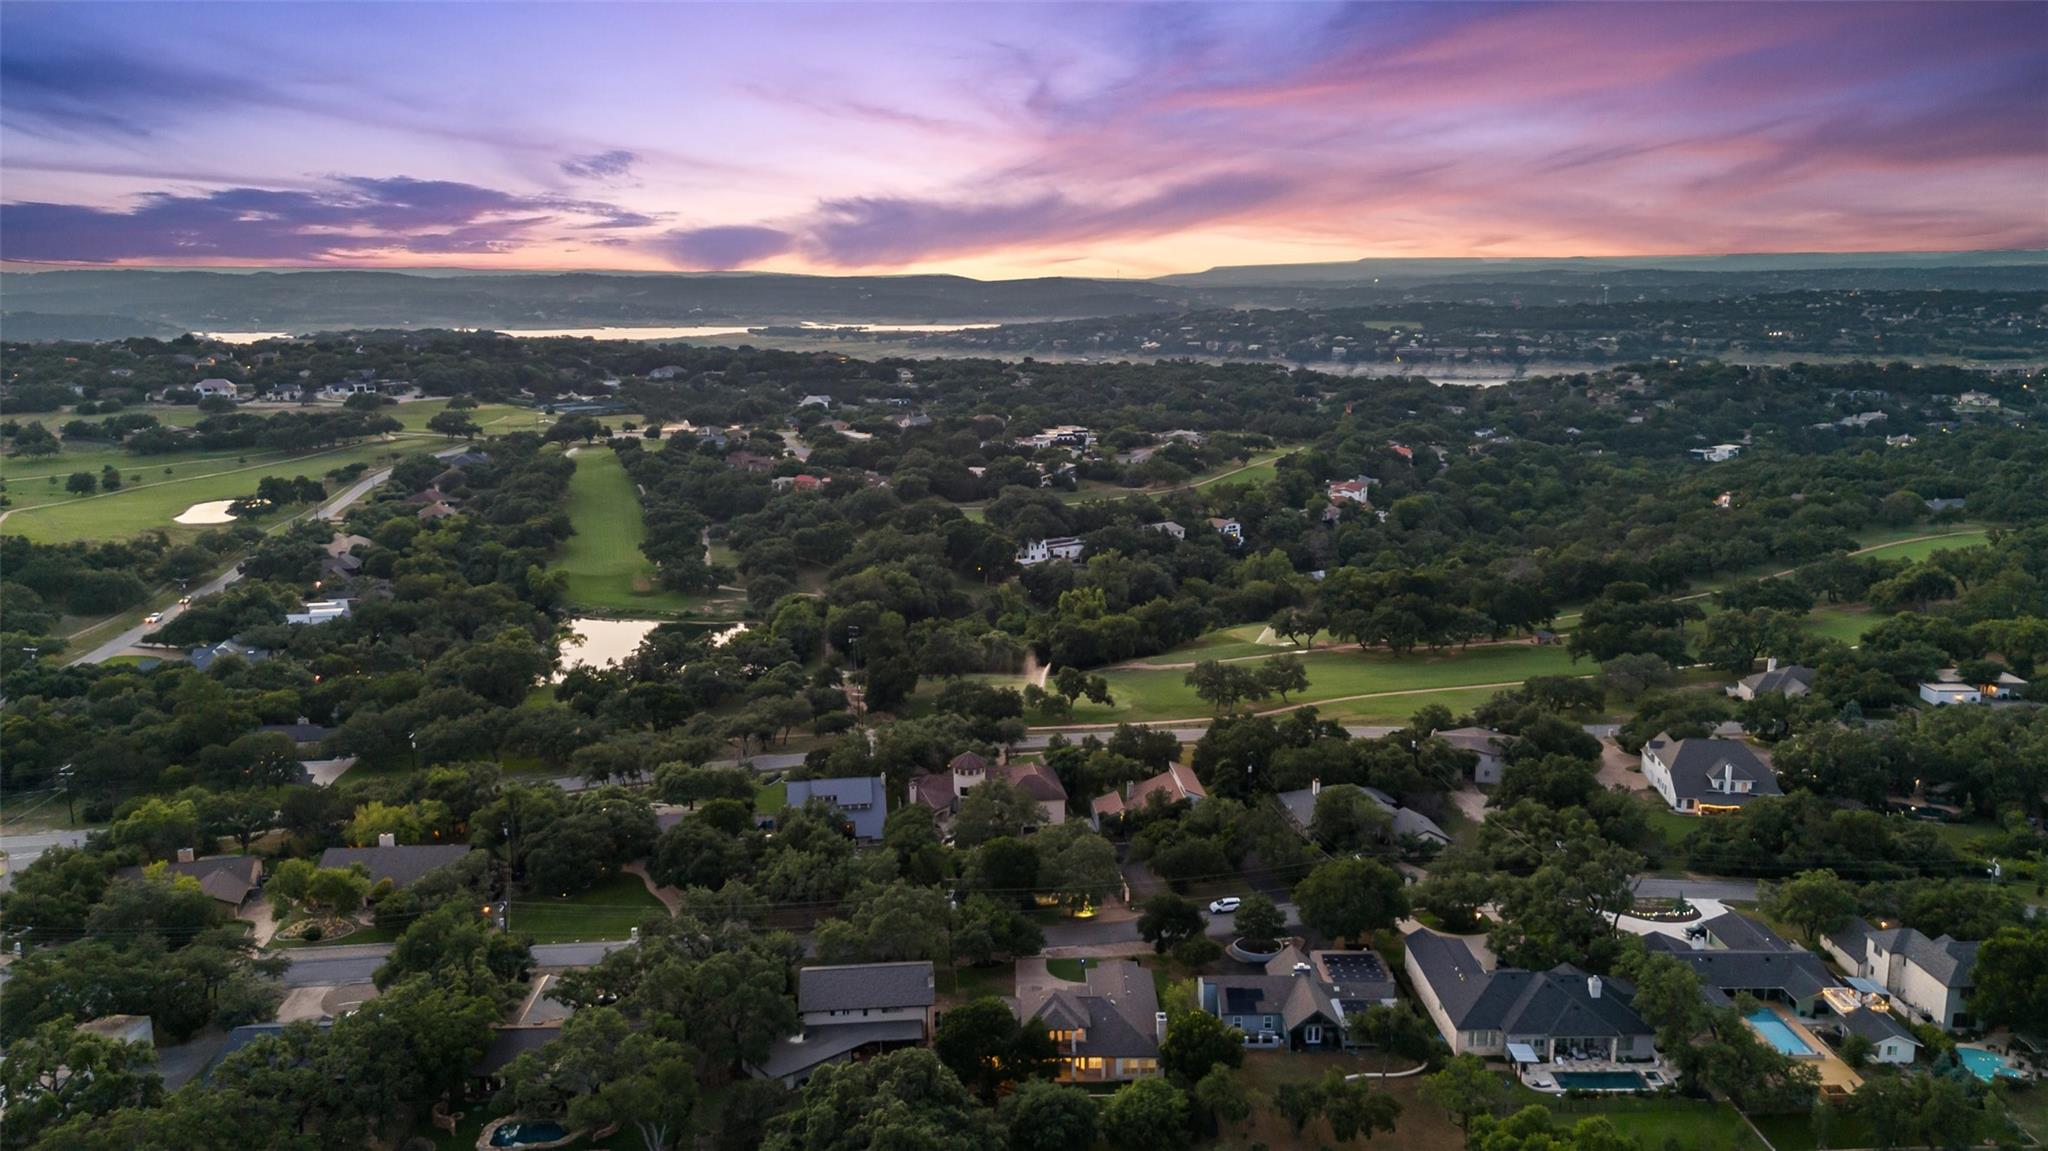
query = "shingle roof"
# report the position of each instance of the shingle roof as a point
(1694, 761)
(802, 1052)
(509, 1043)
(1475, 739)
(227, 878)
(1555, 1002)
(1121, 1006)
(1296, 999)
(864, 986)
(1741, 933)
(1799, 974)
(403, 865)
(1876, 1026)
(1033, 779)
(1779, 679)
(1949, 960)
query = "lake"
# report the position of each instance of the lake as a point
(604, 641)
(697, 332)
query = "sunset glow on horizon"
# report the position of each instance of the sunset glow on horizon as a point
(1011, 140)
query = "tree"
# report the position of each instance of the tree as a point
(453, 424)
(1196, 1041)
(1347, 898)
(1354, 1109)
(110, 478)
(60, 1072)
(2012, 979)
(1077, 866)
(81, 483)
(1169, 919)
(1260, 923)
(902, 1099)
(1816, 902)
(986, 1045)
(655, 1095)
(1045, 1116)
(1224, 685)
(1464, 1088)
(994, 808)
(1283, 674)
(1347, 820)
(889, 924)
(339, 891)
(1223, 1097)
(1148, 1115)
(1629, 676)
(453, 938)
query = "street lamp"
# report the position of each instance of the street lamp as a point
(64, 780)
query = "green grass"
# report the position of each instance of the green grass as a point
(1694, 1124)
(1071, 970)
(1158, 693)
(772, 797)
(1844, 622)
(968, 983)
(1881, 541)
(609, 910)
(603, 562)
(153, 503)
(1795, 1132)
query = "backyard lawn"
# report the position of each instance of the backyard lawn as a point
(609, 910)
(603, 561)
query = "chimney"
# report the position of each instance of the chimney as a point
(1315, 787)
(1771, 664)
(1128, 785)
(386, 839)
(1593, 986)
(185, 855)
(1159, 1026)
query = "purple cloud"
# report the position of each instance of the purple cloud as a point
(722, 247)
(601, 165)
(360, 215)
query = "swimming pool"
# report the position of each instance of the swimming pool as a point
(1600, 1081)
(1986, 1065)
(523, 1134)
(1775, 1033)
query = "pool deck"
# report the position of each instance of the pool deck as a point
(1543, 1076)
(1835, 1075)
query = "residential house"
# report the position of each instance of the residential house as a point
(1545, 1015)
(228, 879)
(1751, 959)
(1301, 807)
(750, 462)
(815, 402)
(318, 612)
(665, 372)
(1357, 491)
(1176, 784)
(909, 420)
(1791, 681)
(1702, 776)
(1485, 743)
(203, 657)
(942, 790)
(1871, 1017)
(402, 864)
(1946, 503)
(1975, 401)
(1034, 552)
(1108, 1030)
(1228, 529)
(122, 1029)
(307, 736)
(1302, 1003)
(1948, 686)
(508, 1043)
(1168, 528)
(1931, 978)
(851, 1009)
(214, 387)
(1719, 453)
(858, 799)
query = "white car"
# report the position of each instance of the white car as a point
(155, 618)
(1225, 906)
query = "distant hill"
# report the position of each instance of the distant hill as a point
(110, 303)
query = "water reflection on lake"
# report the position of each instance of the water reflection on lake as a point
(604, 641)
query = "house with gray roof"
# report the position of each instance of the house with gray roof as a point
(1300, 1002)
(857, 799)
(1794, 977)
(1891, 1041)
(1560, 1014)
(1107, 1030)
(1700, 776)
(1791, 681)
(402, 864)
(1487, 744)
(1931, 979)
(229, 879)
(849, 1009)
(1301, 807)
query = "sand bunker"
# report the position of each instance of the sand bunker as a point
(210, 512)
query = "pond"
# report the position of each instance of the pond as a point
(210, 512)
(603, 641)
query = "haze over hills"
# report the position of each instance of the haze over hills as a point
(107, 303)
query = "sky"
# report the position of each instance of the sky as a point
(1002, 140)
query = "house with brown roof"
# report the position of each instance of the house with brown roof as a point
(1176, 784)
(942, 790)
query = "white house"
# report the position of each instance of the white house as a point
(1700, 776)
(1948, 686)
(1066, 548)
(214, 386)
(318, 611)
(1945, 694)
(1228, 529)
(1358, 491)
(1719, 453)
(849, 1010)
(815, 402)
(1931, 978)
(1168, 528)
(1791, 681)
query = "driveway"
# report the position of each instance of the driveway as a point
(1620, 769)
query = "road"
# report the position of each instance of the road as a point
(331, 510)
(23, 850)
(1660, 887)
(345, 963)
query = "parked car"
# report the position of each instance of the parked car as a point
(1225, 906)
